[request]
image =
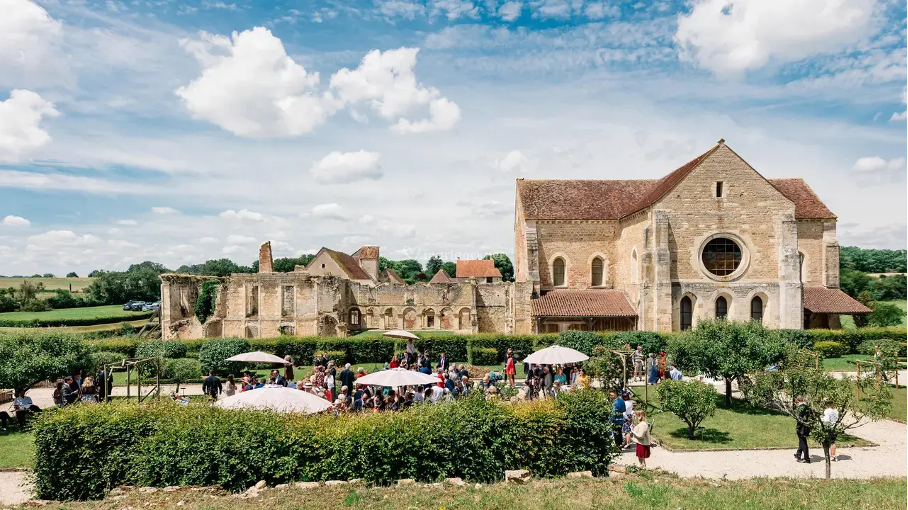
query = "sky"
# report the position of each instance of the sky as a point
(180, 131)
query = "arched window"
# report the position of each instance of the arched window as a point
(801, 265)
(687, 313)
(721, 307)
(756, 309)
(354, 317)
(598, 279)
(634, 274)
(558, 272)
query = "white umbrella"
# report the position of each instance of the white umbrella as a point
(258, 357)
(276, 398)
(397, 377)
(399, 333)
(555, 355)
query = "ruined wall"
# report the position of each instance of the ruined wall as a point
(391, 306)
(494, 307)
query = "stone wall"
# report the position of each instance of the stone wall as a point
(577, 242)
(810, 244)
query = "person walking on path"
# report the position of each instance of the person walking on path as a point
(637, 358)
(617, 417)
(641, 434)
(288, 369)
(510, 368)
(211, 386)
(803, 431)
(830, 418)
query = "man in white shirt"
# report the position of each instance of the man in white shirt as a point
(830, 419)
(411, 352)
(22, 407)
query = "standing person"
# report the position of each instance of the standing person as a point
(75, 391)
(288, 368)
(442, 362)
(70, 394)
(230, 390)
(617, 417)
(675, 374)
(510, 368)
(548, 379)
(331, 379)
(802, 429)
(411, 351)
(89, 390)
(637, 358)
(662, 360)
(653, 369)
(830, 418)
(641, 434)
(628, 418)
(322, 360)
(211, 386)
(346, 377)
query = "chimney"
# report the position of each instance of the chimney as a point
(367, 256)
(266, 264)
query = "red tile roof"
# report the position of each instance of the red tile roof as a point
(347, 263)
(390, 276)
(477, 269)
(665, 184)
(442, 277)
(583, 303)
(807, 204)
(366, 253)
(823, 300)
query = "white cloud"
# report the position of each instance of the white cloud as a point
(510, 11)
(120, 244)
(329, 211)
(20, 119)
(250, 87)
(28, 43)
(878, 164)
(901, 115)
(551, 9)
(454, 9)
(164, 210)
(398, 230)
(355, 240)
(491, 209)
(208, 240)
(386, 80)
(59, 239)
(242, 215)
(599, 10)
(240, 240)
(58, 181)
(732, 36)
(400, 8)
(513, 161)
(344, 167)
(15, 221)
(366, 219)
(129, 223)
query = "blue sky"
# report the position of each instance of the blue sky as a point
(182, 131)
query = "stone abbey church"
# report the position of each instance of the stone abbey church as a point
(713, 238)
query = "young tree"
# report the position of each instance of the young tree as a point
(726, 349)
(28, 358)
(28, 292)
(691, 401)
(885, 314)
(606, 367)
(797, 377)
(181, 370)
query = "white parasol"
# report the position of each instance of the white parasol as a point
(555, 355)
(399, 333)
(258, 357)
(397, 377)
(276, 398)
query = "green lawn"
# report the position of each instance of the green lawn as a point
(644, 492)
(846, 363)
(78, 284)
(899, 409)
(848, 322)
(82, 329)
(16, 449)
(74, 313)
(739, 427)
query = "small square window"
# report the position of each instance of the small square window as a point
(323, 266)
(719, 186)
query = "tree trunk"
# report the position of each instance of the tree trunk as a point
(728, 391)
(691, 430)
(828, 460)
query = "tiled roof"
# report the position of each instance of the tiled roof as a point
(442, 277)
(807, 204)
(390, 276)
(597, 199)
(823, 300)
(477, 269)
(348, 264)
(366, 253)
(583, 303)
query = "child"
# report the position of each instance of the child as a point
(830, 419)
(641, 434)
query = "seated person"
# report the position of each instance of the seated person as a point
(22, 408)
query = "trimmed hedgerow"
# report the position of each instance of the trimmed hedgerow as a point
(829, 349)
(162, 444)
(216, 350)
(161, 349)
(484, 356)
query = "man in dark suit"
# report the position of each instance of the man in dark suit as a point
(803, 430)
(346, 377)
(278, 378)
(425, 365)
(322, 360)
(442, 362)
(211, 386)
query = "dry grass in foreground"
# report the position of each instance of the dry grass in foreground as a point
(651, 490)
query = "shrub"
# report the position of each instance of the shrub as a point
(216, 350)
(652, 342)
(101, 358)
(72, 321)
(691, 401)
(122, 345)
(162, 444)
(800, 337)
(27, 358)
(338, 357)
(829, 349)
(484, 356)
(162, 349)
(886, 314)
(205, 303)
(583, 341)
(182, 370)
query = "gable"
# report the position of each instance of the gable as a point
(336, 264)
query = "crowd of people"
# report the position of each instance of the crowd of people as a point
(72, 389)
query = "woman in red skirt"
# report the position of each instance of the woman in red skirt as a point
(510, 370)
(641, 434)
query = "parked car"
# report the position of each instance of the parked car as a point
(150, 307)
(130, 305)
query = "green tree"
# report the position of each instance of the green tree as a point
(888, 288)
(433, 265)
(450, 268)
(8, 301)
(867, 300)
(503, 264)
(796, 377)
(605, 367)
(48, 275)
(181, 370)
(886, 314)
(853, 282)
(691, 401)
(28, 293)
(72, 274)
(116, 287)
(726, 349)
(158, 268)
(28, 358)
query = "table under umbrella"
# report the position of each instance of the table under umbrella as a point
(399, 333)
(397, 377)
(555, 355)
(258, 357)
(276, 398)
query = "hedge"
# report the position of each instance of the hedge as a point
(484, 356)
(73, 321)
(161, 349)
(216, 350)
(162, 444)
(830, 349)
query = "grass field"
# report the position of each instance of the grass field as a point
(74, 313)
(846, 363)
(82, 329)
(16, 449)
(647, 491)
(50, 284)
(848, 322)
(899, 409)
(739, 427)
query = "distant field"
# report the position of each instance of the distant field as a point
(50, 284)
(74, 313)
(81, 329)
(848, 322)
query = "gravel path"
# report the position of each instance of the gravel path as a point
(14, 488)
